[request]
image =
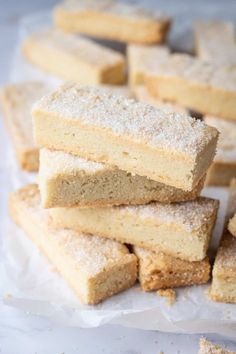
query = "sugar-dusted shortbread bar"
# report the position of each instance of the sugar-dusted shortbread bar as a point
(114, 20)
(182, 230)
(66, 180)
(196, 84)
(16, 101)
(142, 59)
(160, 271)
(215, 41)
(232, 215)
(207, 347)
(94, 267)
(170, 148)
(74, 58)
(223, 287)
(141, 94)
(223, 168)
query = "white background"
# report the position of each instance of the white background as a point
(23, 333)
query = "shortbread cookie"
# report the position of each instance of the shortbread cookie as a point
(16, 102)
(114, 20)
(173, 149)
(196, 84)
(74, 58)
(223, 168)
(223, 287)
(142, 59)
(160, 271)
(182, 230)
(141, 94)
(207, 347)
(215, 41)
(66, 180)
(232, 214)
(94, 267)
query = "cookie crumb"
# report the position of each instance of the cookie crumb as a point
(8, 296)
(170, 295)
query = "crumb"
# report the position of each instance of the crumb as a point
(161, 352)
(170, 295)
(8, 296)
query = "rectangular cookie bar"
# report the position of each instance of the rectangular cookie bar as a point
(223, 287)
(160, 271)
(66, 180)
(173, 149)
(74, 58)
(16, 102)
(141, 94)
(142, 59)
(207, 347)
(182, 230)
(199, 85)
(223, 168)
(114, 20)
(232, 215)
(94, 267)
(215, 41)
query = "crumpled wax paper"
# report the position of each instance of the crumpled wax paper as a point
(29, 282)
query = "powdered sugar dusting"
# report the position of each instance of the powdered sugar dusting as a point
(177, 133)
(196, 70)
(132, 11)
(54, 162)
(190, 215)
(80, 47)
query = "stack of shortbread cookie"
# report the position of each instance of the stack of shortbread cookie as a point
(114, 171)
(119, 184)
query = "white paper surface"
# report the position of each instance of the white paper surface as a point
(34, 287)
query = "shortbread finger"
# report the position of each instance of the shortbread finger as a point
(94, 267)
(141, 94)
(16, 103)
(207, 347)
(170, 148)
(215, 41)
(223, 168)
(196, 84)
(232, 214)
(74, 58)
(160, 271)
(142, 59)
(182, 230)
(114, 20)
(223, 287)
(66, 180)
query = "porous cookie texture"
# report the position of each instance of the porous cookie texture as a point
(223, 168)
(196, 84)
(74, 58)
(223, 287)
(114, 20)
(170, 148)
(182, 230)
(160, 271)
(66, 180)
(94, 267)
(16, 101)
